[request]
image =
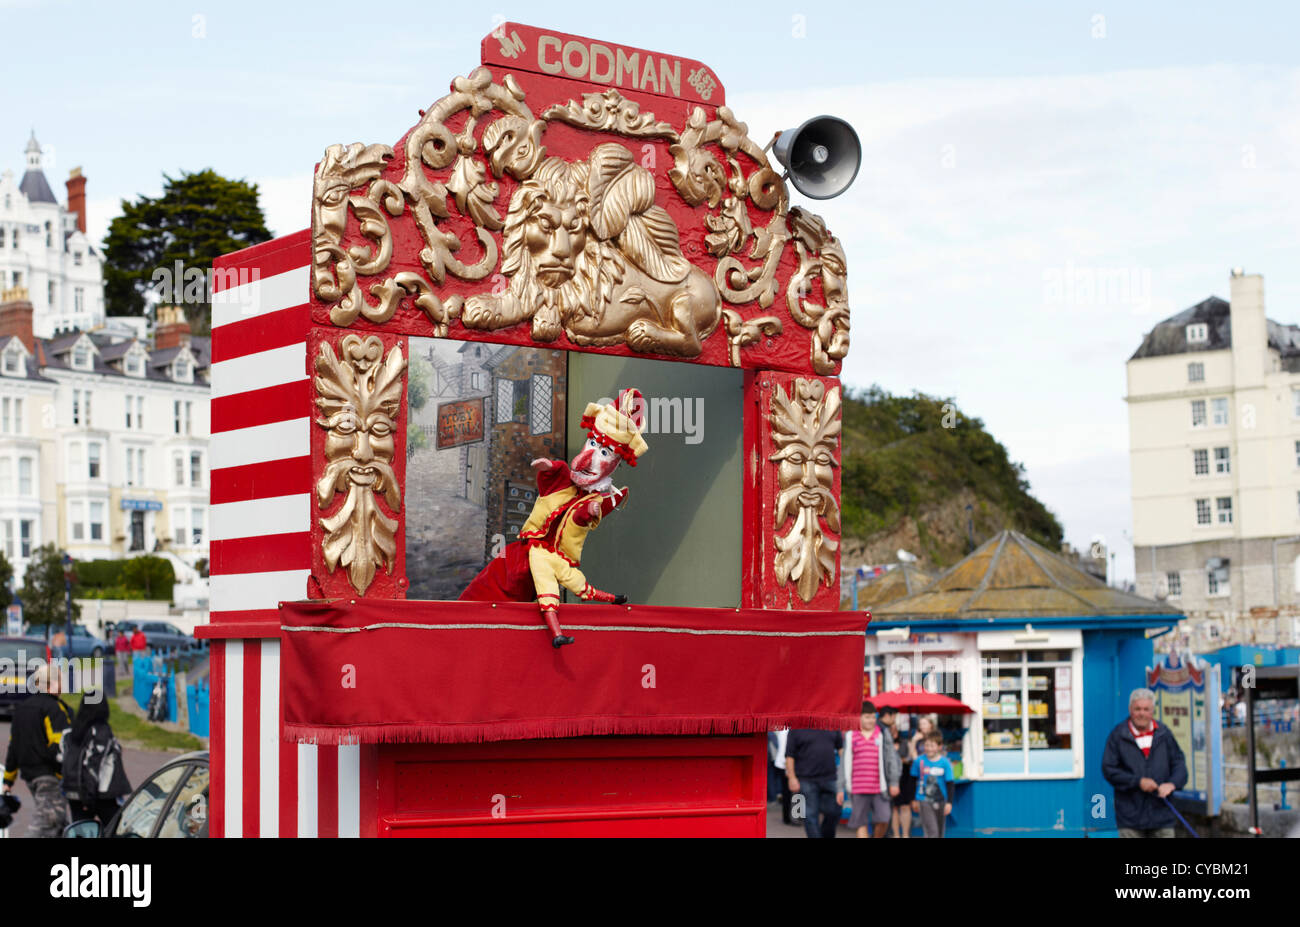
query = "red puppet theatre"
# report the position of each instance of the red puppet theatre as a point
(572, 500)
(407, 464)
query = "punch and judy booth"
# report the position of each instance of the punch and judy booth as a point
(576, 259)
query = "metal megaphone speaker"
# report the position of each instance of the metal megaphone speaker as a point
(821, 157)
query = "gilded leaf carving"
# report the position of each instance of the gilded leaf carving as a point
(806, 431)
(358, 395)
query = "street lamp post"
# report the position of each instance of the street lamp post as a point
(68, 577)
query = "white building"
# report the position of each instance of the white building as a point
(44, 249)
(1214, 436)
(103, 440)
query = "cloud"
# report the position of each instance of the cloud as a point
(1010, 240)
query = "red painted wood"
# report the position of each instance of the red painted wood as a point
(261, 333)
(252, 696)
(290, 476)
(369, 779)
(790, 351)
(774, 594)
(216, 735)
(281, 403)
(335, 584)
(591, 786)
(517, 47)
(262, 554)
(270, 257)
(288, 785)
(232, 625)
(327, 795)
(751, 486)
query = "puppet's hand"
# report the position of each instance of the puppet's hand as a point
(543, 463)
(593, 509)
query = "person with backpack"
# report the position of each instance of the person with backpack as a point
(36, 751)
(94, 778)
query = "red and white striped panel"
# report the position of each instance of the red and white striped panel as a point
(268, 788)
(261, 554)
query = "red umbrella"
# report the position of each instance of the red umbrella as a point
(916, 699)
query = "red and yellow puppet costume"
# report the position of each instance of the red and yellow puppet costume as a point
(571, 501)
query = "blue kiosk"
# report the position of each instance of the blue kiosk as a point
(1045, 655)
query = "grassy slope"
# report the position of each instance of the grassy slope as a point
(920, 458)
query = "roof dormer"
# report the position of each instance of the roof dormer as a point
(13, 358)
(183, 367)
(135, 363)
(82, 354)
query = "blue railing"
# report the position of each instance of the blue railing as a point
(146, 670)
(197, 697)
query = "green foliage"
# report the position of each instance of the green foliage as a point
(110, 592)
(6, 579)
(96, 575)
(419, 374)
(43, 588)
(903, 455)
(416, 439)
(198, 217)
(153, 576)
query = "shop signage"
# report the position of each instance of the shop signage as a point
(141, 505)
(460, 422)
(1187, 703)
(921, 641)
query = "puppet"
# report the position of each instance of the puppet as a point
(571, 501)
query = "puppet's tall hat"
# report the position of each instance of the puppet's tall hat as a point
(619, 425)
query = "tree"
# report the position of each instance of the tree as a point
(43, 589)
(199, 217)
(6, 582)
(152, 575)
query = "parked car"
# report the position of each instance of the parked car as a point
(173, 802)
(161, 635)
(19, 658)
(84, 644)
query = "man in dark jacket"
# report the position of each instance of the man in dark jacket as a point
(35, 751)
(1145, 765)
(810, 774)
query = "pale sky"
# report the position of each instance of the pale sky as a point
(1016, 155)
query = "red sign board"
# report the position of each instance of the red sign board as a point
(460, 423)
(546, 51)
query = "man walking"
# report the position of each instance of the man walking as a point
(810, 773)
(1145, 765)
(36, 751)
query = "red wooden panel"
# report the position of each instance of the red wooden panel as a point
(217, 738)
(261, 480)
(281, 403)
(262, 554)
(252, 773)
(593, 786)
(270, 257)
(386, 584)
(261, 333)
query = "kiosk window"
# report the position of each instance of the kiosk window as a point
(1028, 712)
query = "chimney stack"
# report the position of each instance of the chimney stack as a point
(16, 316)
(172, 329)
(77, 197)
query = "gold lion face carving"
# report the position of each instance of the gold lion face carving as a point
(358, 394)
(806, 428)
(590, 254)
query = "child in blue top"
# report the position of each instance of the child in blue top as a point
(933, 774)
